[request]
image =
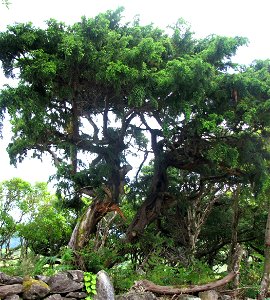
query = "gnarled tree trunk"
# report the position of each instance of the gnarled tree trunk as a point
(83, 230)
(87, 225)
(148, 212)
(157, 200)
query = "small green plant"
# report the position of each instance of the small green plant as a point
(123, 276)
(90, 281)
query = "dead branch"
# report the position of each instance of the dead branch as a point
(169, 290)
(147, 285)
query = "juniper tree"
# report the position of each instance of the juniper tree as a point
(105, 90)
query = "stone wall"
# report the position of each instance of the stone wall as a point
(62, 286)
(69, 285)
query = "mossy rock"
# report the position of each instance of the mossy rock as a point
(35, 289)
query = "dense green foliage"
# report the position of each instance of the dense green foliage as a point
(102, 97)
(30, 217)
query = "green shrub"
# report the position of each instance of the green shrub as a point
(123, 277)
(97, 260)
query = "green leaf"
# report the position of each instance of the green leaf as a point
(93, 280)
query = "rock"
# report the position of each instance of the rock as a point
(78, 295)
(6, 279)
(8, 290)
(225, 297)
(137, 296)
(208, 295)
(188, 297)
(58, 297)
(63, 283)
(12, 297)
(77, 275)
(54, 297)
(3, 277)
(35, 289)
(104, 287)
(43, 278)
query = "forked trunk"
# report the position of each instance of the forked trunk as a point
(158, 199)
(88, 223)
(83, 230)
(86, 226)
(148, 212)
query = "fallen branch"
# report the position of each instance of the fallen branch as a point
(147, 285)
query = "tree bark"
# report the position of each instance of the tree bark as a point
(148, 212)
(266, 271)
(83, 230)
(157, 199)
(169, 290)
(87, 226)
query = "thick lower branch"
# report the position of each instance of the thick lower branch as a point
(169, 290)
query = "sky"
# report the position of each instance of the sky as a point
(246, 18)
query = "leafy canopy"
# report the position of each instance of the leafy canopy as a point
(105, 91)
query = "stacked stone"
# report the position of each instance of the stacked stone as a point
(64, 285)
(69, 285)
